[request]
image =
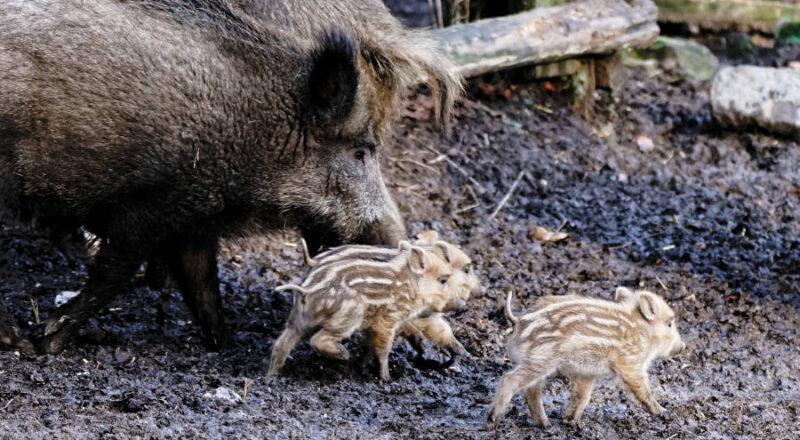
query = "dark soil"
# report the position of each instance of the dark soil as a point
(707, 218)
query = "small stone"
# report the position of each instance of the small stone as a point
(224, 394)
(64, 297)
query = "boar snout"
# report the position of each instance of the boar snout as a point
(387, 231)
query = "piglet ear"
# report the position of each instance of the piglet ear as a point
(428, 236)
(622, 294)
(418, 260)
(443, 251)
(333, 80)
(647, 306)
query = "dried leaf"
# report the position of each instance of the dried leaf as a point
(544, 235)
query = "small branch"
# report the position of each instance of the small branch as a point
(247, 383)
(505, 198)
(458, 168)
(415, 162)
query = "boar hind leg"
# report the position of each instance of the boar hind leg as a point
(11, 335)
(581, 392)
(638, 382)
(112, 268)
(193, 261)
(513, 382)
(533, 397)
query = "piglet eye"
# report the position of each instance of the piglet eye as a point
(669, 324)
(467, 269)
(443, 280)
(360, 155)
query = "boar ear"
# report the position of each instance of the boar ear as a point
(443, 251)
(418, 260)
(333, 81)
(647, 306)
(428, 236)
(622, 294)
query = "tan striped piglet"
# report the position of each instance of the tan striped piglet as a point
(431, 326)
(585, 339)
(353, 294)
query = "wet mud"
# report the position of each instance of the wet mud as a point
(705, 217)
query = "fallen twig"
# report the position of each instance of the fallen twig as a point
(247, 383)
(415, 162)
(458, 168)
(663, 286)
(505, 198)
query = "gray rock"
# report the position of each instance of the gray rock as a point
(747, 96)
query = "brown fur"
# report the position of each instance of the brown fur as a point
(585, 339)
(342, 297)
(393, 57)
(161, 125)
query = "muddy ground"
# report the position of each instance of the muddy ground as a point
(708, 218)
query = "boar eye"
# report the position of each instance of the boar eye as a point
(360, 155)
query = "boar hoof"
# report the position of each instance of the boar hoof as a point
(53, 344)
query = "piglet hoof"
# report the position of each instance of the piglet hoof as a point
(570, 421)
(655, 408)
(492, 421)
(342, 354)
(385, 377)
(543, 423)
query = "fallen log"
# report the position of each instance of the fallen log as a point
(748, 96)
(544, 35)
(743, 15)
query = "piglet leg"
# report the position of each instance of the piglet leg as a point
(581, 392)
(639, 384)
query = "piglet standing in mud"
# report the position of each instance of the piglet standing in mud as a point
(585, 339)
(361, 293)
(430, 326)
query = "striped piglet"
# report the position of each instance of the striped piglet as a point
(584, 339)
(352, 294)
(430, 325)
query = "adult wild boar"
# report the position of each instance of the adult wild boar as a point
(161, 125)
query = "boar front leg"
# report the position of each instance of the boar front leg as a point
(113, 266)
(11, 335)
(638, 382)
(193, 262)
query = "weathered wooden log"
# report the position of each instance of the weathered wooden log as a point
(744, 15)
(748, 96)
(545, 35)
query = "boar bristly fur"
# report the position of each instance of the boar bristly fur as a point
(391, 56)
(585, 339)
(161, 125)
